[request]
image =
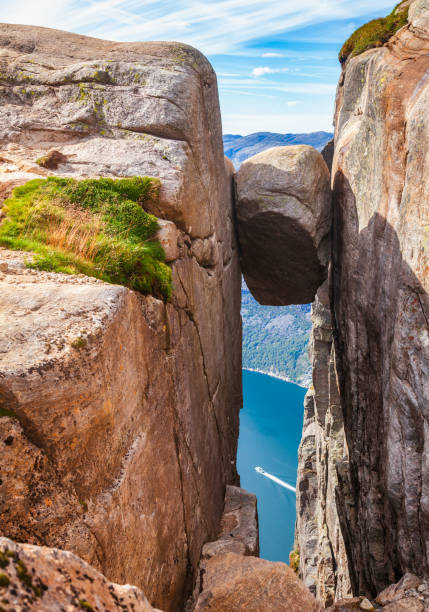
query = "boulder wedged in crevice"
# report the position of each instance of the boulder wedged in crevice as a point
(283, 220)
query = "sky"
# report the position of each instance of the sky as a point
(276, 61)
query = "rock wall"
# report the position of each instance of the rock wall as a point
(322, 556)
(380, 310)
(119, 412)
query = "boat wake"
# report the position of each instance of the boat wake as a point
(275, 479)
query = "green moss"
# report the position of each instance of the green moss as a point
(85, 605)
(374, 34)
(97, 227)
(79, 342)
(5, 557)
(25, 578)
(42, 161)
(4, 412)
(294, 560)
(4, 581)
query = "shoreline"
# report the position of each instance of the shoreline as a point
(275, 375)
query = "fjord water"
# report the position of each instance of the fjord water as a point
(270, 432)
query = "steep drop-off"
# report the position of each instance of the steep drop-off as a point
(373, 483)
(118, 411)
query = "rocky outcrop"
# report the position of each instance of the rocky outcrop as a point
(381, 306)
(119, 412)
(238, 533)
(323, 563)
(232, 578)
(283, 220)
(44, 579)
(410, 594)
(377, 474)
(239, 526)
(248, 584)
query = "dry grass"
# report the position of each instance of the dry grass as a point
(95, 226)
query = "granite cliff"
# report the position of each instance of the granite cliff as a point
(363, 479)
(119, 411)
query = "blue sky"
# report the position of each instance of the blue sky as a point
(276, 61)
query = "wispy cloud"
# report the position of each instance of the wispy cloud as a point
(214, 26)
(272, 55)
(261, 70)
(265, 85)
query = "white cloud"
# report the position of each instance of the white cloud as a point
(227, 74)
(260, 71)
(214, 26)
(292, 103)
(272, 55)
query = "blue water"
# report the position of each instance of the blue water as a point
(270, 432)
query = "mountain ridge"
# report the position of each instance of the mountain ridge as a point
(239, 148)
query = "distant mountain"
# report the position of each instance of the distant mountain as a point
(239, 148)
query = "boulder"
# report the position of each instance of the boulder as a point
(283, 217)
(394, 592)
(247, 584)
(41, 579)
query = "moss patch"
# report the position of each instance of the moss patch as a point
(5, 556)
(4, 412)
(85, 605)
(4, 581)
(376, 33)
(26, 579)
(294, 560)
(97, 227)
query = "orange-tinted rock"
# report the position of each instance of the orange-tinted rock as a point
(126, 407)
(237, 583)
(378, 490)
(396, 591)
(40, 579)
(406, 605)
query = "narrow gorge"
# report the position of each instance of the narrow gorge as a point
(124, 233)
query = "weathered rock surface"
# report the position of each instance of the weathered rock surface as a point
(410, 594)
(51, 580)
(239, 526)
(363, 458)
(247, 584)
(238, 533)
(380, 325)
(381, 305)
(323, 560)
(120, 412)
(283, 220)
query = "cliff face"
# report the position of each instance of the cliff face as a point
(380, 324)
(322, 556)
(119, 412)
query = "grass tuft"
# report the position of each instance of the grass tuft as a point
(294, 560)
(375, 33)
(97, 227)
